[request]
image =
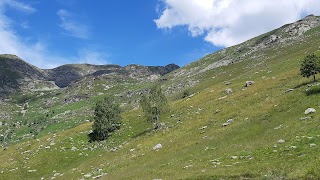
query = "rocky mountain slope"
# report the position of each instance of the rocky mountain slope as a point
(227, 128)
(17, 74)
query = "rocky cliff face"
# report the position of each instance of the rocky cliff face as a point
(16, 74)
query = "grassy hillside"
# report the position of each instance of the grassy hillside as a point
(269, 137)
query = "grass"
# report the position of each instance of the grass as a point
(195, 144)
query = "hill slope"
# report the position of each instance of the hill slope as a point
(222, 131)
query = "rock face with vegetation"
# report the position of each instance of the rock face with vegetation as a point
(244, 112)
(15, 73)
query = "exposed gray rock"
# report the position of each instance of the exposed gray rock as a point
(279, 127)
(304, 118)
(234, 157)
(249, 83)
(309, 110)
(228, 91)
(289, 90)
(281, 141)
(157, 147)
(312, 145)
(230, 121)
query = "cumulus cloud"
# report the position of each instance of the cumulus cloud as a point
(71, 25)
(229, 22)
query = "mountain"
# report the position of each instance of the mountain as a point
(17, 74)
(245, 118)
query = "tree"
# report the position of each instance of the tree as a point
(154, 104)
(310, 66)
(107, 119)
(185, 93)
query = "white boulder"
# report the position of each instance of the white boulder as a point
(157, 147)
(309, 110)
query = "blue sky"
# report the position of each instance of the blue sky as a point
(148, 32)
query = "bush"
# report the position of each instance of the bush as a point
(185, 93)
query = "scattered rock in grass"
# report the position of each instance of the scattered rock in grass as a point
(279, 127)
(312, 145)
(309, 110)
(289, 90)
(281, 141)
(32, 170)
(223, 97)
(234, 157)
(229, 121)
(248, 83)
(87, 175)
(157, 147)
(225, 124)
(204, 127)
(293, 147)
(227, 82)
(132, 150)
(304, 118)
(74, 148)
(114, 149)
(228, 91)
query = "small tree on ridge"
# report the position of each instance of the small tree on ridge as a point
(310, 66)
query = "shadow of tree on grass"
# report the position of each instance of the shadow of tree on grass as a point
(313, 91)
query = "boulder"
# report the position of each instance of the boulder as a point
(230, 121)
(289, 90)
(309, 110)
(248, 83)
(312, 145)
(228, 91)
(225, 124)
(281, 141)
(157, 147)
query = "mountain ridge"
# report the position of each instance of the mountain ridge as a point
(64, 75)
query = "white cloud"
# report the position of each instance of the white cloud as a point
(89, 56)
(12, 43)
(36, 52)
(20, 6)
(71, 25)
(229, 22)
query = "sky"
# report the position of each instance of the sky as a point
(147, 32)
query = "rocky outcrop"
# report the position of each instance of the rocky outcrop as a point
(67, 74)
(16, 74)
